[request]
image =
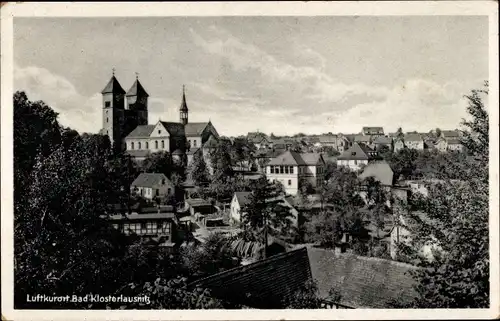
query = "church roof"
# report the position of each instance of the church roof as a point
(113, 86)
(174, 129)
(195, 129)
(137, 90)
(141, 131)
(184, 106)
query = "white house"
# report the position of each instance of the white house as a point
(414, 141)
(357, 156)
(292, 168)
(151, 185)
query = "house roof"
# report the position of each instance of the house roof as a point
(382, 140)
(328, 139)
(137, 216)
(358, 151)
(194, 129)
(113, 86)
(263, 284)
(150, 179)
(137, 90)
(198, 202)
(412, 137)
(141, 131)
(373, 129)
(243, 197)
(294, 158)
(362, 138)
(174, 129)
(256, 137)
(362, 282)
(380, 170)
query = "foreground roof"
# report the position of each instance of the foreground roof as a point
(263, 284)
(362, 282)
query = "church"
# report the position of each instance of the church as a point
(125, 121)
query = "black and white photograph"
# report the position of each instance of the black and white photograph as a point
(228, 160)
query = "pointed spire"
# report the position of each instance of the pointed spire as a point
(137, 89)
(113, 85)
(183, 104)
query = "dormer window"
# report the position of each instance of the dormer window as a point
(353, 153)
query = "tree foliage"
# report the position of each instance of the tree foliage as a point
(199, 171)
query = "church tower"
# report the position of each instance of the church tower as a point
(184, 108)
(137, 102)
(113, 111)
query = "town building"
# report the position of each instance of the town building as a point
(152, 185)
(454, 145)
(125, 122)
(259, 140)
(399, 144)
(357, 156)
(373, 131)
(292, 169)
(380, 141)
(414, 141)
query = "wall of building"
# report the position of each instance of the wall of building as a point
(352, 164)
(418, 145)
(289, 181)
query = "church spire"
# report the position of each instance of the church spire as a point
(183, 109)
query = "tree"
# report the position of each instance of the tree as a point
(455, 224)
(399, 133)
(242, 151)
(403, 163)
(476, 133)
(265, 214)
(159, 162)
(199, 170)
(438, 132)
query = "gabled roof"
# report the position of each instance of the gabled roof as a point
(174, 129)
(243, 197)
(194, 129)
(358, 151)
(328, 139)
(287, 158)
(263, 284)
(412, 137)
(380, 170)
(137, 90)
(141, 131)
(362, 138)
(382, 140)
(311, 158)
(150, 179)
(113, 86)
(362, 282)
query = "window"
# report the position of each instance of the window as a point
(289, 182)
(107, 120)
(353, 153)
(291, 169)
(157, 192)
(163, 144)
(132, 145)
(272, 169)
(189, 141)
(159, 132)
(139, 145)
(281, 170)
(287, 169)
(194, 143)
(156, 144)
(355, 162)
(107, 104)
(163, 181)
(147, 145)
(143, 226)
(169, 191)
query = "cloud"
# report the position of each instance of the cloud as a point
(75, 110)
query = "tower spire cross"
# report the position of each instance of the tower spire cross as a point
(113, 70)
(136, 75)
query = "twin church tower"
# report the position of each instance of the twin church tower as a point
(125, 111)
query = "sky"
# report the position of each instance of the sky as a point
(281, 75)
